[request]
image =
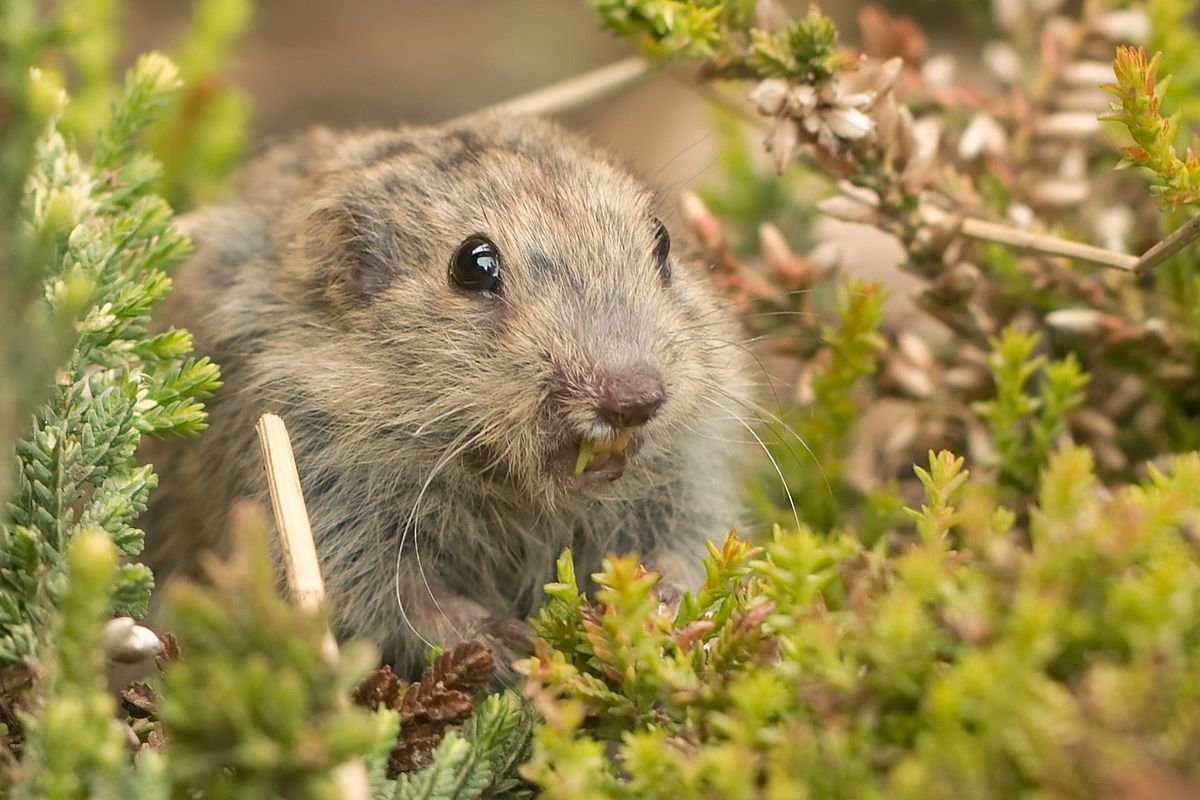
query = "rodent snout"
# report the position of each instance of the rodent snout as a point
(631, 397)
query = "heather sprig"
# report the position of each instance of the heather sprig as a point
(914, 669)
(735, 37)
(1138, 107)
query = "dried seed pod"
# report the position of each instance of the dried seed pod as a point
(1088, 73)
(847, 210)
(1130, 25)
(850, 123)
(825, 257)
(1060, 193)
(906, 142)
(938, 72)
(1003, 62)
(901, 434)
(1108, 455)
(909, 379)
(1129, 392)
(914, 348)
(968, 381)
(1073, 164)
(927, 134)
(956, 283)
(769, 96)
(783, 143)
(126, 642)
(701, 221)
(1021, 216)
(1086, 321)
(801, 100)
(886, 119)
(1092, 423)
(861, 194)
(794, 271)
(1112, 227)
(1091, 99)
(1068, 125)
(983, 136)
(979, 440)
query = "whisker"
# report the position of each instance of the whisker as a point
(452, 450)
(758, 408)
(782, 481)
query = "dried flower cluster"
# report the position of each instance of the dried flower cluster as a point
(961, 175)
(442, 698)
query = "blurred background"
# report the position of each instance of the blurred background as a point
(364, 63)
(381, 62)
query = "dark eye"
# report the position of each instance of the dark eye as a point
(662, 249)
(476, 265)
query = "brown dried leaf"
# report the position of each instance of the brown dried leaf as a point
(469, 667)
(442, 697)
(139, 700)
(380, 689)
(170, 651)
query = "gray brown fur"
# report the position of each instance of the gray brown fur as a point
(323, 294)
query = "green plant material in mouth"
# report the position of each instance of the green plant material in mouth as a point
(591, 449)
(586, 454)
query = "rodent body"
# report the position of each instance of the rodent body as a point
(446, 417)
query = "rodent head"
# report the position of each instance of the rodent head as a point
(520, 296)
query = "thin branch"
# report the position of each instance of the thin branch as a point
(1042, 243)
(304, 580)
(1181, 238)
(577, 91)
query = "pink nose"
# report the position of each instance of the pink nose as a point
(630, 398)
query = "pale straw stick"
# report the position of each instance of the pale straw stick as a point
(577, 91)
(304, 581)
(1041, 243)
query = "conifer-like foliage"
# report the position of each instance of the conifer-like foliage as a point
(253, 707)
(109, 242)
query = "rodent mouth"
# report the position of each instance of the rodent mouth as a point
(585, 462)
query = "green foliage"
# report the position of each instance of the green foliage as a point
(666, 28)
(1025, 426)
(814, 475)
(75, 747)
(202, 134)
(109, 241)
(1173, 33)
(958, 664)
(724, 33)
(254, 708)
(1139, 108)
(803, 50)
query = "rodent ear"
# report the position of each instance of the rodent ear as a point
(350, 252)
